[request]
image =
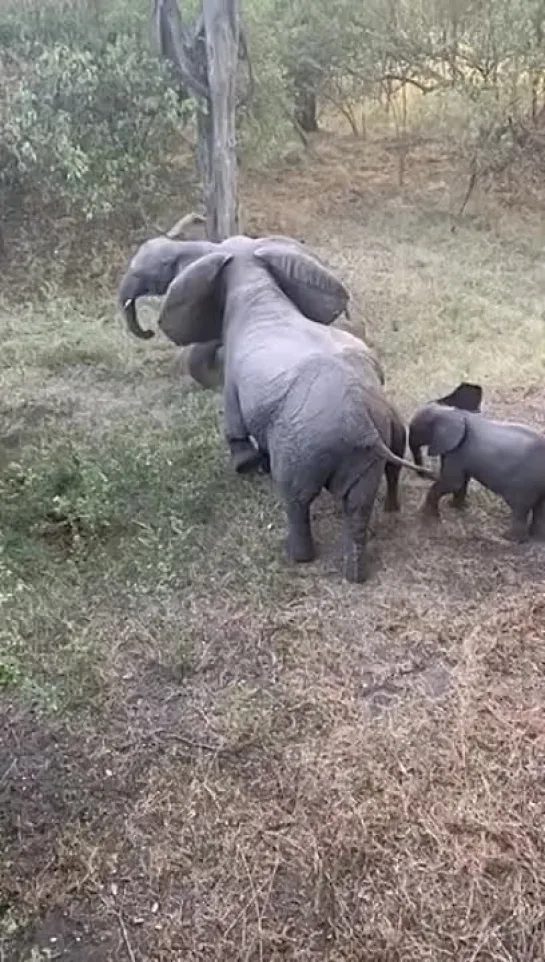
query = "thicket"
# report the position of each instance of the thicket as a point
(91, 118)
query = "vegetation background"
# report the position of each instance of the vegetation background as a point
(204, 754)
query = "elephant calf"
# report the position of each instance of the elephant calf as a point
(467, 397)
(506, 458)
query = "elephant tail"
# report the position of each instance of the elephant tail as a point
(394, 459)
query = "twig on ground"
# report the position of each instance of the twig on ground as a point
(9, 769)
(122, 927)
(184, 740)
(125, 935)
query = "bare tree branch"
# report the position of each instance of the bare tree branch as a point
(178, 44)
(413, 81)
(244, 54)
(180, 226)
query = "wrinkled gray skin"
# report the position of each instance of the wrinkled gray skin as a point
(466, 397)
(290, 383)
(205, 364)
(504, 457)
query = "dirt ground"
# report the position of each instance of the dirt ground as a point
(207, 755)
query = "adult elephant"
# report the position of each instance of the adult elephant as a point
(290, 383)
(205, 363)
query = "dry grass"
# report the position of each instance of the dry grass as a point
(206, 755)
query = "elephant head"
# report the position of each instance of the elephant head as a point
(190, 274)
(465, 397)
(438, 428)
(152, 270)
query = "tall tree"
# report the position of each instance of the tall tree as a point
(205, 56)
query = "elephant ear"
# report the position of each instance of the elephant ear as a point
(192, 311)
(310, 285)
(467, 397)
(449, 428)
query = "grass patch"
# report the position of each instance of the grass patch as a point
(87, 523)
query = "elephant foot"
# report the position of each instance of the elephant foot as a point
(265, 465)
(537, 527)
(537, 533)
(459, 498)
(299, 549)
(538, 536)
(391, 502)
(517, 532)
(429, 516)
(245, 458)
(299, 542)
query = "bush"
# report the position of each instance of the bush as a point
(87, 119)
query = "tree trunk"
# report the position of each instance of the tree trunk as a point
(205, 57)
(306, 110)
(205, 163)
(222, 30)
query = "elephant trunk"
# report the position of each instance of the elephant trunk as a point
(129, 309)
(129, 290)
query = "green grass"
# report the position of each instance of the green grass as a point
(86, 524)
(96, 515)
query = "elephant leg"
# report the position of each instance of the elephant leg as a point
(459, 498)
(518, 526)
(265, 465)
(430, 508)
(245, 456)
(416, 452)
(537, 526)
(357, 507)
(392, 471)
(450, 481)
(299, 542)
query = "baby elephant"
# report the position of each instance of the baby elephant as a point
(507, 458)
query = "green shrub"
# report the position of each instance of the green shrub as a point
(88, 117)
